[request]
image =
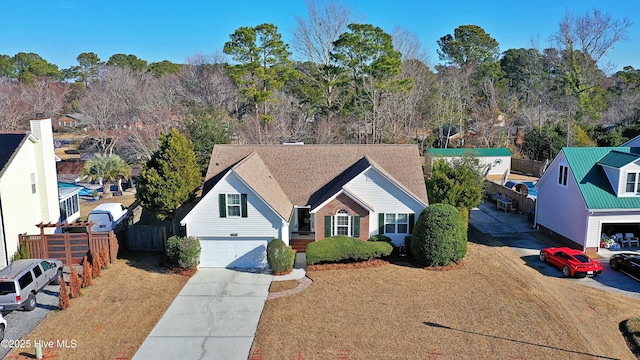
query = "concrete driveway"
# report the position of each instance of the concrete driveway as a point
(215, 316)
(514, 231)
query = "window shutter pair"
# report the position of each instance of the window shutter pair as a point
(328, 226)
(222, 204)
(381, 223)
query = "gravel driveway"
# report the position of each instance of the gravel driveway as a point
(20, 323)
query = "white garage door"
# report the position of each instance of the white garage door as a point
(233, 253)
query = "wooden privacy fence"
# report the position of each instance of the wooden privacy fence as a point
(528, 167)
(522, 203)
(146, 237)
(70, 248)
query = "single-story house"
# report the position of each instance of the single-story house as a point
(28, 185)
(590, 191)
(303, 193)
(494, 161)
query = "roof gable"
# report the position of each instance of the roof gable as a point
(256, 175)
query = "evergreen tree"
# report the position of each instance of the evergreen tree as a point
(170, 178)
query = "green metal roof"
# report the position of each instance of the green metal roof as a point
(592, 180)
(457, 152)
(618, 159)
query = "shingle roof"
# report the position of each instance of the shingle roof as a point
(592, 180)
(9, 144)
(256, 174)
(456, 152)
(305, 172)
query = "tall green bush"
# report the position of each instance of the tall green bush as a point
(183, 251)
(280, 256)
(439, 236)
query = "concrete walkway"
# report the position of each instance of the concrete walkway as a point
(515, 231)
(215, 315)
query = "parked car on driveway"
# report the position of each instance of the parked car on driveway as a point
(23, 279)
(628, 263)
(572, 262)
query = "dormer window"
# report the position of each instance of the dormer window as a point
(632, 182)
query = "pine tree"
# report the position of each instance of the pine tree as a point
(74, 283)
(96, 265)
(63, 298)
(87, 276)
(104, 255)
(170, 178)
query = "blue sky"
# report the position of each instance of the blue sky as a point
(59, 30)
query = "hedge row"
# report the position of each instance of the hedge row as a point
(340, 247)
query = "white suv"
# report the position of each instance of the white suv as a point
(23, 279)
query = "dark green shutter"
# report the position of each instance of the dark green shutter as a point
(243, 204)
(356, 226)
(411, 221)
(381, 223)
(327, 226)
(222, 201)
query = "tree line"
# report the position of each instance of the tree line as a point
(355, 84)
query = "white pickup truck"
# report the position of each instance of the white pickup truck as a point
(106, 217)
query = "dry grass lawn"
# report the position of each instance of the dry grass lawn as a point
(114, 315)
(492, 307)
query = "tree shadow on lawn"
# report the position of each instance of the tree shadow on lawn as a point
(151, 261)
(440, 326)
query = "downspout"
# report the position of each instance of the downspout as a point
(3, 238)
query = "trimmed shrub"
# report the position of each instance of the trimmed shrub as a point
(63, 297)
(439, 236)
(280, 256)
(87, 276)
(96, 265)
(380, 237)
(104, 257)
(183, 252)
(340, 247)
(74, 283)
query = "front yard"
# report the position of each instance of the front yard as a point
(112, 317)
(494, 306)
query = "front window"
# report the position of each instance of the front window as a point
(342, 223)
(233, 204)
(632, 183)
(396, 223)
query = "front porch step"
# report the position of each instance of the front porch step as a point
(300, 245)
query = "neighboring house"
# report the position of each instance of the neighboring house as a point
(493, 161)
(590, 191)
(28, 185)
(303, 193)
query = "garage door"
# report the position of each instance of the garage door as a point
(234, 253)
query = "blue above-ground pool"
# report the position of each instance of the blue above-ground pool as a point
(83, 192)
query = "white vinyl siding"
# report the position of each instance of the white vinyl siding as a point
(384, 197)
(205, 220)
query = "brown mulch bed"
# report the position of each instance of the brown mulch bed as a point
(493, 306)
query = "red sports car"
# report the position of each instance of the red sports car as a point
(572, 262)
